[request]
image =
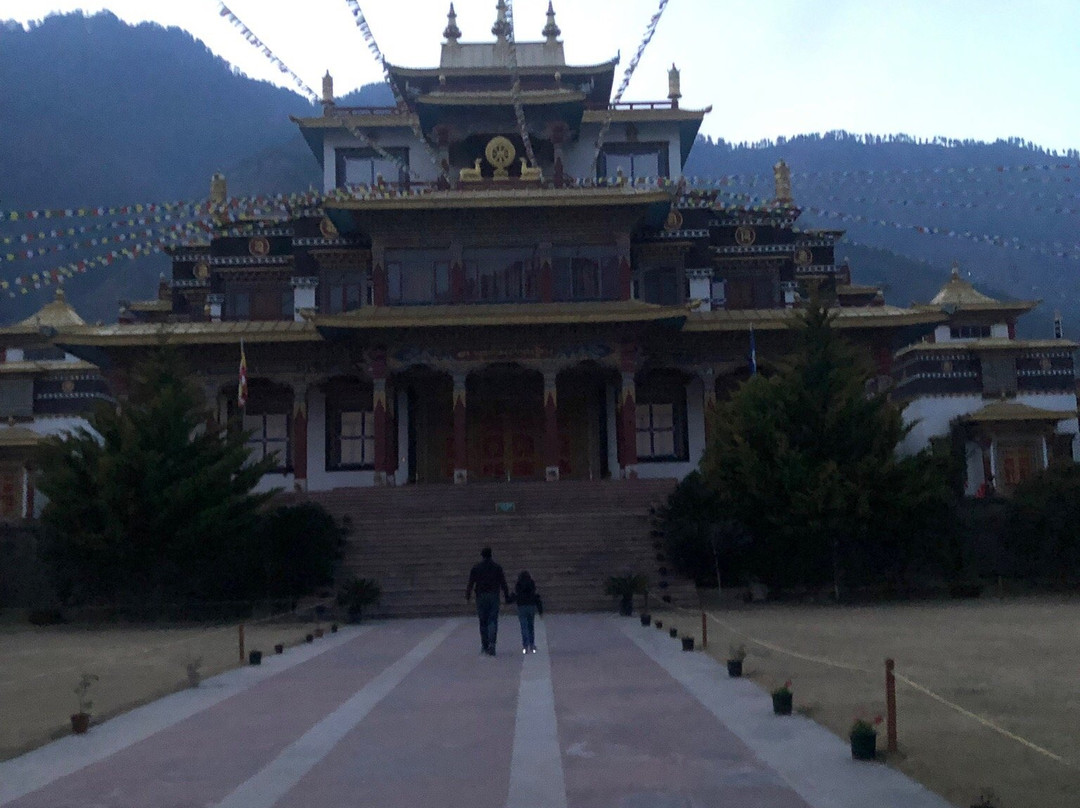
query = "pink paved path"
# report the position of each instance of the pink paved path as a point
(409, 714)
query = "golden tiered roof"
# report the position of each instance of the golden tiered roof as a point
(998, 411)
(57, 314)
(959, 295)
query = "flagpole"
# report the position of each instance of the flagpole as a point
(242, 383)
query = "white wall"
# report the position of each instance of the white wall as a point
(319, 479)
(420, 165)
(579, 158)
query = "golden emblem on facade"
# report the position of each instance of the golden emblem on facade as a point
(327, 228)
(68, 386)
(674, 219)
(803, 257)
(745, 236)
(259, 245)
(500, 152)
(202, 270)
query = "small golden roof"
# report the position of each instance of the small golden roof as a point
(1016, 411)
(57, 313)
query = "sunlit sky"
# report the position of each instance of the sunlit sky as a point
(979, 69)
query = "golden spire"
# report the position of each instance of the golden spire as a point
(452, 33)
(551, 30)
(501, 28)
(782, 180)
(328, 89)
(673, 92)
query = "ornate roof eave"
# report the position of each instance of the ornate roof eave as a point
(528, 98)
(18, 437)
(45, 366)
(197, 333)
(850, 317)
(989, 344)
(1016, 411)
(982, 307)
(501, 315)
(523, 70)
(506, 198)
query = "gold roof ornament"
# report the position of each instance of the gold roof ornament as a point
(500, 152)
(451, 33)
(328, 89)
(551, 30)
(959, 292)
(57, 314)
(673, 83)
(782, 180)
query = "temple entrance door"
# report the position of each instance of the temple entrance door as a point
(506, 425)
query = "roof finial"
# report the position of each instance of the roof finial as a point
(501, 28)
(452, 32)
(955, 270)
(551, 30)
(782, 180)
(60, 291)
(674, 93)
(327, 90)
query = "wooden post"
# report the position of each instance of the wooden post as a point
(241, 643)
(890, 705)
(704, 631)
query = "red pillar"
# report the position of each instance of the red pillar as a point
(627, 412)
(299, 438)
(461, 448)
(378, 406)
(551, 428)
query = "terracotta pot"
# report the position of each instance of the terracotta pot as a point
(734, 668)
(80, 723)
(781, 703)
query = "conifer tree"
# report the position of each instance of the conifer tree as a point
(154, 501)
(806, 460)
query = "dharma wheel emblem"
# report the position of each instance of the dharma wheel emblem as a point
(327, 228)
(500, 152)
(803, 257)
(674, 219)
(202, 271)
(745, 236)
(259, 245)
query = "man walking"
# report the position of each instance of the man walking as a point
(487, 578)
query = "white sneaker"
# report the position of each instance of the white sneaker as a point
(524, 650)
(532, 650)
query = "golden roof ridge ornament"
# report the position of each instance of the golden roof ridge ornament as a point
(782, 181)
(451, 33)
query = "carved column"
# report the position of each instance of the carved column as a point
(461, 446)
(378, 274)
(551, 427)
(627, 413)
(622, 245)
(377, 367)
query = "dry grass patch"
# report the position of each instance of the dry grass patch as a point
(1013, 662)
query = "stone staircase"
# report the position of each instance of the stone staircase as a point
(419, 541)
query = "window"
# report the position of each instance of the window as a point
(636, 160)
(269, 435)
(969, 331)
(496, 275)
(344, 293)
(1018, 462)
(585, 273)
(353, 440)
(366, 166)
(420, 276)
(661, 286)
(661, 418)
(238, 306)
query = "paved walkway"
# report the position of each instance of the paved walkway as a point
(407, 713)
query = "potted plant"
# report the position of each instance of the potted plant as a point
(309, 638)
(191, 667)
(279, 648)
(80, 721)
(646, 618)
(863, 738)
(688, 643)
(356, 595)
(624, 587)
(659, 623)
(781, 699)
(673, 632)
(736, 655)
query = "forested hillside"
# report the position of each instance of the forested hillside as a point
(99, 113)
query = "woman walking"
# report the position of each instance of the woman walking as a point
(528, 606)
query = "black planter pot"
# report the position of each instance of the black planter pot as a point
(626, 606)
(279, 648)
(333, 628)
(255, 658)
(688, 643)
(646, 618)
(674, 632)
(309, 638)
(659, 623)
(863, 745)
(80, 723)
(781, 703)
(734, 668)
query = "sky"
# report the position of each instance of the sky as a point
(982, 69)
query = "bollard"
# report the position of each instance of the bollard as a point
(241, 643)
(704, 632)
(890, 706)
